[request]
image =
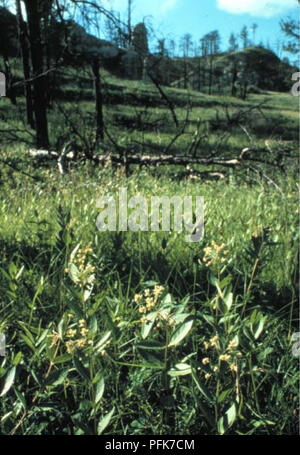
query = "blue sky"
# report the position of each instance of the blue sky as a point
(174, 18)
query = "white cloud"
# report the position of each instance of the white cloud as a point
(167, 5)
(264, 8)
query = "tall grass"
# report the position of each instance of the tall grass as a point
(143, 333)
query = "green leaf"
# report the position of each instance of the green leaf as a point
(228, 299)
(5, 274)
(99, 390)
(259, 327)
(27, 341)
(168, 299)
(209, 319)
(9, 381)
(21, 398)
(74, 273)
(147, 326)
(178, 318)
(225, 281)
(12, 268)
(76, 308)
(181, 331)
(81, 369)
(19, 272)
(180, 369)
(150, 283)
(93, 325)
(223, 395)
(185, 300)
(57, 378)
(262, 355)
(227, 420)
(17, 359)
(100, 345)
(104, 422)
(228, 318)
(202, 388)
(39, 290)
(87, 292)
(149, 345)
(213, 280)
(151, 358)
(60, 328)
(27, 331)
(6, 416)
(42, 337)
(253, 316)
(73, 254)
(62, 359)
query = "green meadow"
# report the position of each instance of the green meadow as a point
(123, 333)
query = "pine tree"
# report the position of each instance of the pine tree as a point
(233, 43)
(291, 29)
(253, 29)
(244, 35)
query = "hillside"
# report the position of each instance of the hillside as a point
(273, 74)
(267, 71)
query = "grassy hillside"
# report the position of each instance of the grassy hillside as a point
(136, 111)
(270, 72)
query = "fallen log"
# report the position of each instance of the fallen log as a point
(147, 160)
(246, 159)
(159, 160)
(62, 158)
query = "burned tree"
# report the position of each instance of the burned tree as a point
(99, 100)
(22, 33)
(34, 15)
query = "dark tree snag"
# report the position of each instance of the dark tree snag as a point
(26, 64)
(99, 100)
(39, 77)
(234, 79)
(10, 93)
(46, 9)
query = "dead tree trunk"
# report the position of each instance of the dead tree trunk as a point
(10, 93)
(26, 64)
(199, 75)
(185, 69)
(99, 100)
(210, 74)
(39, 78)
(46, 9)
